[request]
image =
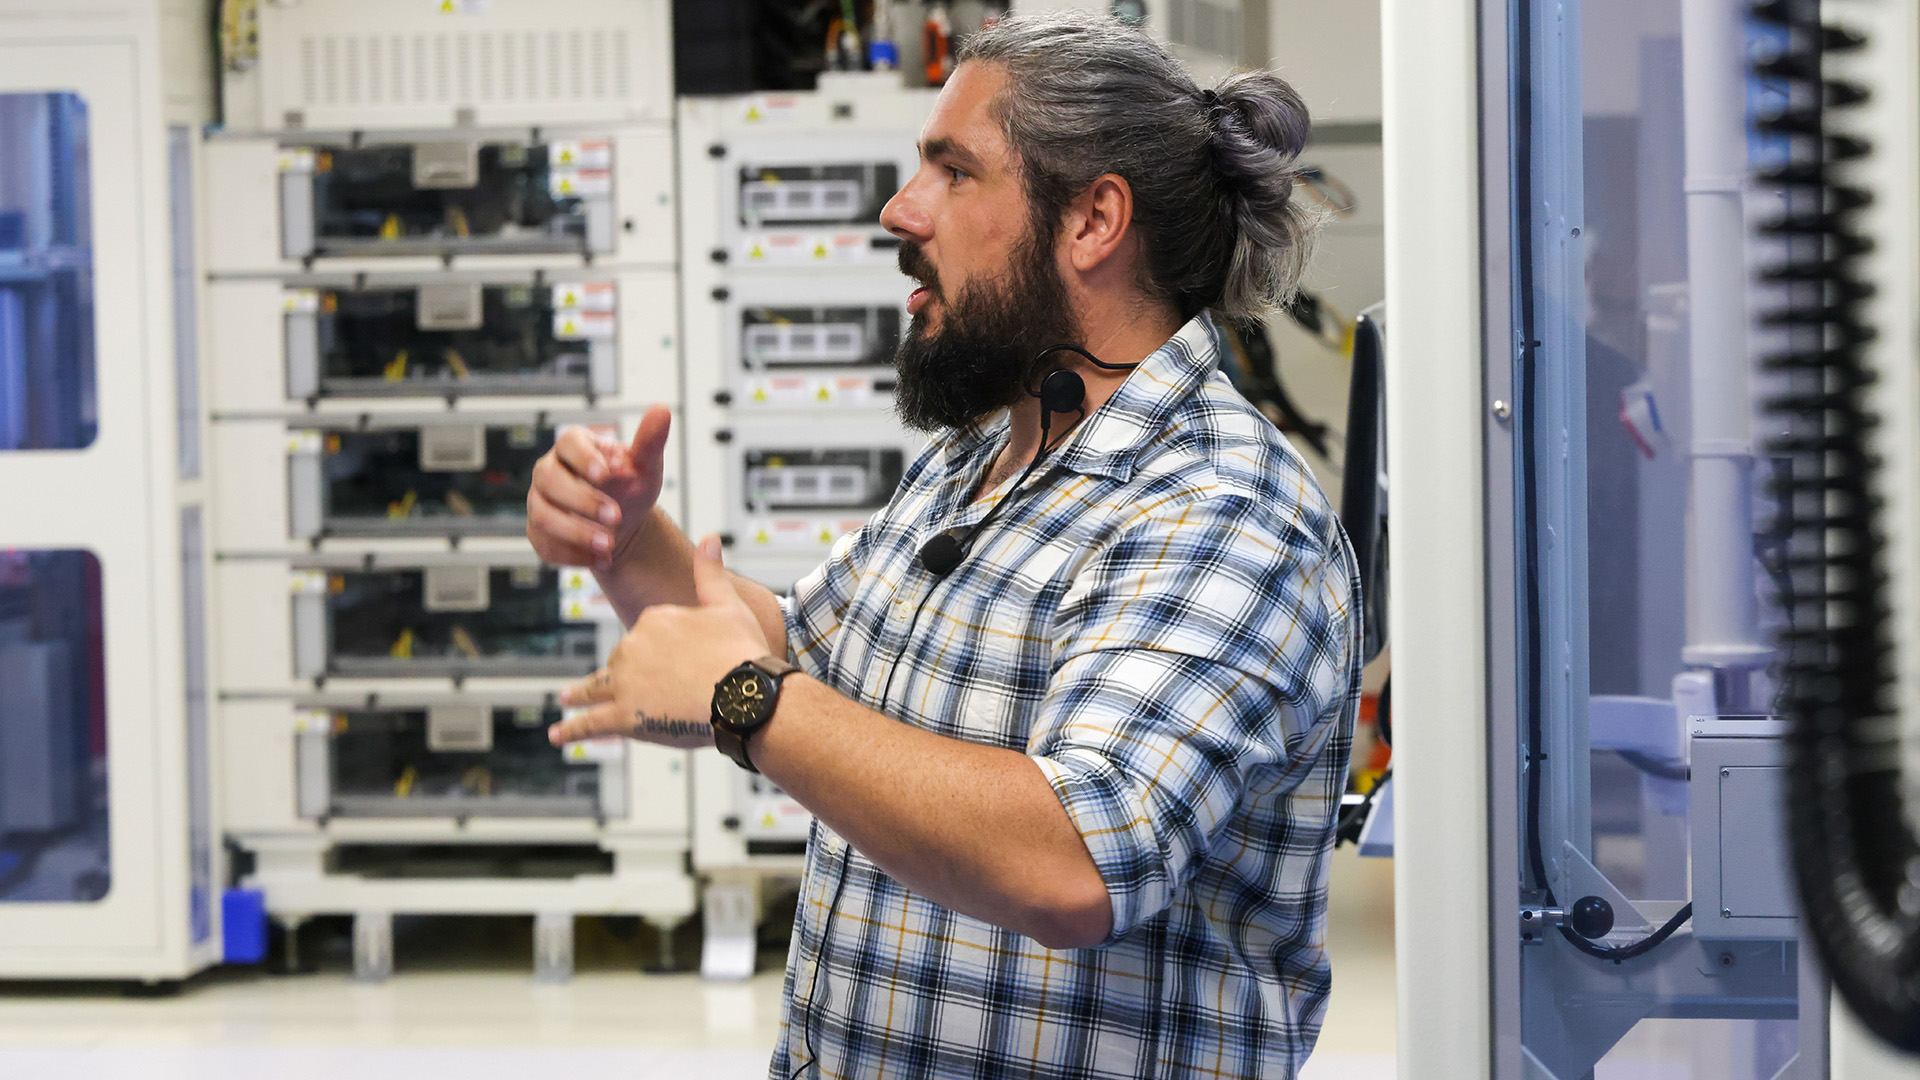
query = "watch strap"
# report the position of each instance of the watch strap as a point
(734, 745)
(775, 666)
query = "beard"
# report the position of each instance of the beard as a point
(979, 360)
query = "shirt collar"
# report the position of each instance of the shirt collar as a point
(1109, 440)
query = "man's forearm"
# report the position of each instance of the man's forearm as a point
(977, 829)
(655, 566)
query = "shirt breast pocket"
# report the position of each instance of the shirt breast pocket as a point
(1010, 601)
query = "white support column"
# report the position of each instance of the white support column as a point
(1438, 606)
(1723, 617)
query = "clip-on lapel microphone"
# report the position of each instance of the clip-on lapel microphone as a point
(1061, 391)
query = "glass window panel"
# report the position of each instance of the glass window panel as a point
(1649, 602)
(47, 378)
(53, 729)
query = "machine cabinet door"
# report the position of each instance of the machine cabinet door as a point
(93, 754)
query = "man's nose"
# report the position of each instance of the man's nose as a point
(903, 216)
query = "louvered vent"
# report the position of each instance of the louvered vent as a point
(1207, 25)
(507, 67)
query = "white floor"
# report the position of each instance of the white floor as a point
(473, 1018)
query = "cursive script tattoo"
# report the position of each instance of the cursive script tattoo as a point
(655, 727)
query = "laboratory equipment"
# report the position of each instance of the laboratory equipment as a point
(384, 615)
(1588, 737)
(318, 478)
(372, 802)
(482, 198)
(433, 337)
(793, 309)
(446, 235)
(110, 863)
(435, 479)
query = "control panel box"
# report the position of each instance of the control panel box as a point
(390, 617)
(786, 343)
(411, 339)
(801, 202)
(793, 181)
(788, 488)
(479, 762)
(313, 480)
(1742, 880)
(377, 64)
(427, 199)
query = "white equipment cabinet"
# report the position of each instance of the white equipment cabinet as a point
(793, 307)
(446, 234)
(110, 866)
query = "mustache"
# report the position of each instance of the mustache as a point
(915, 264)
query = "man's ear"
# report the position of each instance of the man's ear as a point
(1099, 223)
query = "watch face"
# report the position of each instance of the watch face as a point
(745, 698)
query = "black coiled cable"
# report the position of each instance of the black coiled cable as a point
(1854, 856)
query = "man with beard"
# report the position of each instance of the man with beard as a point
(1075, 779)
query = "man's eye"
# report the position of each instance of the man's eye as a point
(955, 174)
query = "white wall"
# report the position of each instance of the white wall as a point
(1331, 54)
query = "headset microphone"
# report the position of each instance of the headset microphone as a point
(1061, 391)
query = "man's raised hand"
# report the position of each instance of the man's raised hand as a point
(591, 495)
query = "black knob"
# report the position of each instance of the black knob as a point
(722, 397)
(717, 150)
(731, 822)
(723, 436)
(1591, 917)
(720, 293)
(718, 255)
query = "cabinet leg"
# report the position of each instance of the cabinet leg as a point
(372, 946)
(553, 946)
(731, 912)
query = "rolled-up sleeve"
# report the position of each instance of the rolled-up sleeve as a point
(1206, 648)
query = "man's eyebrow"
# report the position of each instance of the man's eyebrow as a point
(947, 149)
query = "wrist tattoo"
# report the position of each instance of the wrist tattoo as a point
(654, 727)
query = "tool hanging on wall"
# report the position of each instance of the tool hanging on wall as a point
(936, 44)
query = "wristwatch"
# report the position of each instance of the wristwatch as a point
(743, 702)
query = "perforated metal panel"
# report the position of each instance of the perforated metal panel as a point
(364, 63)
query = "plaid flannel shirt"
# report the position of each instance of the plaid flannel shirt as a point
(1167, 621)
